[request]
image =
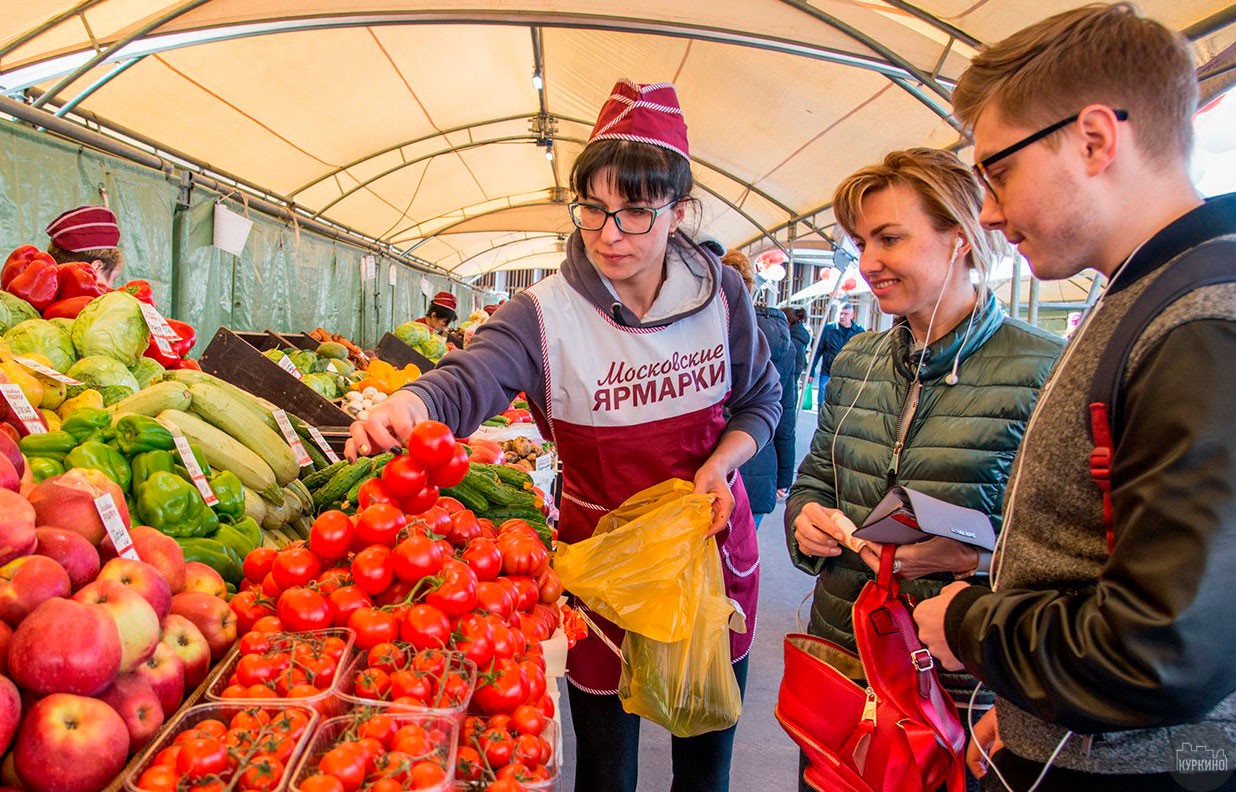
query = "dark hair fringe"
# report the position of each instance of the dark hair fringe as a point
(640, 172)
(442, 312)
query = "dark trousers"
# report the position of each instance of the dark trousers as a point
(607, 747)
(1021, 773)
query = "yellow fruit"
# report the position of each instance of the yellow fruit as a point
(87, 398)
(28, 383)
(53, 420)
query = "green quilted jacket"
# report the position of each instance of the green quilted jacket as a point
(959, 442)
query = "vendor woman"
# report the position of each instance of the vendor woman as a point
(442, 312)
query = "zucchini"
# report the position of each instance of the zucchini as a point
(154, 400)
(302, 492)
(319, 478)
(224, 411)
(225, 453)
(337, 488)
(255, 507)
(320, 462)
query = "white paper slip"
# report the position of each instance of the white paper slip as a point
(46, 371)
(298, 448)
(158, 326)
(22, 408)
(195, 470)
(115, 527)
(287, 365)
(331, 456)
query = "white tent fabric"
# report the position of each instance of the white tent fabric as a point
(413, 122)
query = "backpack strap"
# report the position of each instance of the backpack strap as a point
(1208, 265)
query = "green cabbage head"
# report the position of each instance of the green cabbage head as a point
(112, 325)
(38, 336)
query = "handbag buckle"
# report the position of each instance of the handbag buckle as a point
(917, 658)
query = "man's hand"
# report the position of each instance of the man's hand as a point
(937, 554)
(711, 480)
(387, 426)
(986, 734)
(929, 617)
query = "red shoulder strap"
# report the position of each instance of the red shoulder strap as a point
(1101, 464)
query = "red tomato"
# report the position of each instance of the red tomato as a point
(378, 727)
(431, 443)
(159, 778)
(456, 594)
(372, 492)
(346, 601)
(468, 765)
(410, 684)
(261, 774)
(372, 683)
(452, 471)
(463, 527)
(534, 679)
(379, 524)
(295, 566)
(495, 598)
(449, 504)
(504, 692)
(331, 535)
(372, 569)
(416, 557)
(419, 503)
(304, 609)
(525, 588)
(268, 624)
(527, 719)
(436, 520)
(484, 557)
(322, 783)
(348, 763)
(253, 669)
(332, 579)
(522, 554)
(386, 656)
(373, 627)
(258, 563)
(549, 587)
(425, 627)
(477, 641)
(427, 775)
(269, 587)
(248, 608)
(201, 757)
(404, 477)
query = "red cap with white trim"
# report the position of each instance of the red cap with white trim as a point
(445, 300)
(84, 228)
(644, 114)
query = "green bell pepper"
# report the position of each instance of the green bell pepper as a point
(49, 445)
(183, 472)
(86, 422)
(150, 462)
(231, 494)
(138, 433)
(169, 504)
(244, 536)
(215, 555)
(43, 468)
(101, 457)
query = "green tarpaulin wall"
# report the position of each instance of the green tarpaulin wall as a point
(287, 279)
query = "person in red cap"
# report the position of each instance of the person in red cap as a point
(642, 361)
(441, 312)
(87, 233)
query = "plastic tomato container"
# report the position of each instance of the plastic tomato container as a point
(326, 702)
(443, 733)
(550, 784)
(190, 717)
(456, 664)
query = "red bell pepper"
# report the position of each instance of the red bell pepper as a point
(166, 360)
(188, 363)
(141, 290)
(67, 309)
(37, 283)
(18, 260)
(188, 336)
(79, 279)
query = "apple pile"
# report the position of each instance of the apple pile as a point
(96, 650)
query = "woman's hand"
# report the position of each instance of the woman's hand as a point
(937, 554)
(387, 426)
(711, 480)
(819, 531)
(986, 734)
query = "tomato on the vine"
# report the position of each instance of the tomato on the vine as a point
(431, 443)
(501, 689)
(304, 609)
(201, 757)
(379, 524)
(373, 627)
(451, 472)
(404, 476)
(331, 535)
(425, 627)
(456, 594)
(416, 557)
(249, 607)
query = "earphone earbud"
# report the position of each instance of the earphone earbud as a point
(957, 246)
(952, 379)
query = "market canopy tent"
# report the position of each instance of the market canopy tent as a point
(421, 126)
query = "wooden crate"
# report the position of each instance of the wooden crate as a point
(399, 354)
(230, 358)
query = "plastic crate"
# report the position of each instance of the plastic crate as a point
(551, 735)
(190, 717)
(327, 703)
(456, 662)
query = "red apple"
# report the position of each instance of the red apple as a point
(199, 577)
(10, 479)
(16, 525)
(6, 635)
(186, 640)
(27, 582)
(157, 549)
(70, 744)
(8, 769)
(135, 619)
(143, 578)
(71, 551)
(65, 647)
(10, 712)
(67, 501)
(211, 615)
(9, 449)
(135, 701)
(166, 675)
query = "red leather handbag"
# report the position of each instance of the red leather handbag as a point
(901, 734)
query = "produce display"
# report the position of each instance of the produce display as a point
(304, 667)
(418, 336)
(327, 370)
(379, 750)
(355, 354)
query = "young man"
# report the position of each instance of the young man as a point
(832, 338)
(1110, 654)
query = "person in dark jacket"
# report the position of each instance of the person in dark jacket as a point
(938, 403)
(832, 338)
(1110, 653)
(801, 338)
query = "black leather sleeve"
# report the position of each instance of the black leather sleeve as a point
(1154, 644)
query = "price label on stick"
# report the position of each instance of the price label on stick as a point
(158, 326)
(331, 456)
(113, 523)
(298, 448)
(46, 371)
(195, 470)
(22, 408)
(287, 365)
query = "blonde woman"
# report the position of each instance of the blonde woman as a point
(938, 403)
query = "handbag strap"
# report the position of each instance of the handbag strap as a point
(885, 577)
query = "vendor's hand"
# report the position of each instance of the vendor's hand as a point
(929, 618)
(818, 532)
(937, 554)
(986, 734)
(711, 480)
(387, 426)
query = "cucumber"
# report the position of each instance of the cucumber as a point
(489, 488)
(337, 488)
(318, 478)
(508, 475)
(468, 495)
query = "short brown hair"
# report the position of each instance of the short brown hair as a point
(949, 193)
(1096, 54)
(739, 261)
(109, 257)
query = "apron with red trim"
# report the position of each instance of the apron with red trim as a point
(628, 408)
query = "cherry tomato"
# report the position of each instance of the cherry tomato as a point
(347, 600)
(386, 656)
(159, 778)
(410, 684)
(330, 538)
(372, 492)
(417, 557)
(527, 719)
(258, 563)
(425, 627)
(404, 477)
(200, 757)
(348, 763)
(412, 739)
(431, 443)
(253, 669)
(322, 783)
(468, 765)
(268, 624)
(261, 774)
(484, 557)
(372, 683)
(373, 627)
(249, 607)
(498, 747)
(379, 524)
(427, 775)
(451, 472)
(304, 609)
(373, 569)
(295, 566)
(379, 727)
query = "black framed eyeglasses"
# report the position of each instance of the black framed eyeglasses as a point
(631, 220)
(982, 167)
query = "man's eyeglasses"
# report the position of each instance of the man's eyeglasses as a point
(632, 220)
(982, 169)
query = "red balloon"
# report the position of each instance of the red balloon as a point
(848, 284)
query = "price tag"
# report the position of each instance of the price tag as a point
(158, 326)
(195, 470)
(285, 425)
(544, 461)
(114, 525)
(46, 371)
(287, 365)
(331, 456)
(164, 345)
(22, 408)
